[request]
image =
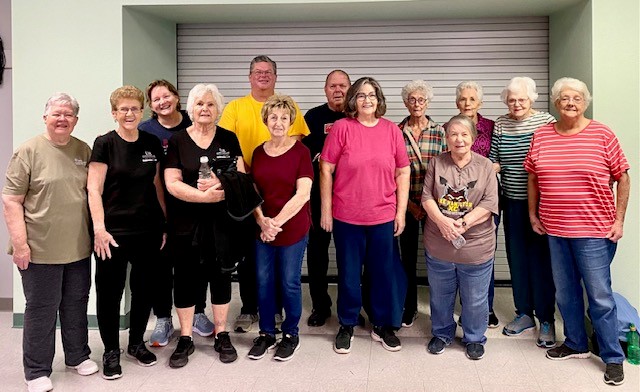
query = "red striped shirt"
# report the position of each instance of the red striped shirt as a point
(575, 177)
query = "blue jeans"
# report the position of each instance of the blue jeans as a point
(445, 278)
(375, 248)
(589, 260)
(529, 263)
(284, 264)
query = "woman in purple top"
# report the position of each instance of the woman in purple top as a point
(469, 101)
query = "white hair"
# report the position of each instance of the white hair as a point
(62, 99)
(417, 85)
(472, 85)
(520, 84)
(200, 90)
(571, 84)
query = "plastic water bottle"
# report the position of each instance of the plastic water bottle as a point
(205, 171)
(633, 350)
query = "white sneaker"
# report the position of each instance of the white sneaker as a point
(40, 384)
(86, 368)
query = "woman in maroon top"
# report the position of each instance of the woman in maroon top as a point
(283, 175)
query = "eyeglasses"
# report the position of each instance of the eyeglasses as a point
(420, 100)
(520, 101)
(134, 110)
(362, 96)
(262, 73)
(576, 100)
(66, 116)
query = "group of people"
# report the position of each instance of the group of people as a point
(187, 197)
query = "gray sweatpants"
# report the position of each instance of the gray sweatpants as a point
(51, 289)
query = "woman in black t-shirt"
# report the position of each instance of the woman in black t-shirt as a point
(127, 203)
(199, 204)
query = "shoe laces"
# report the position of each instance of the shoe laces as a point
(112, 357)
(261, 339)
(345, 330)
(286, 342)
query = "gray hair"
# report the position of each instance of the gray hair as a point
(200, 90)
(465, 122)
(417, 85)
(572, 84)
(520, 84)
(263, 59)
(469, 84)
(62, 99)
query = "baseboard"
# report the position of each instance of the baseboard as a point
(6, 304)
(18, 321)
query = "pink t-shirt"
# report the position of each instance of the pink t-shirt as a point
(574, 179)
(366, 158)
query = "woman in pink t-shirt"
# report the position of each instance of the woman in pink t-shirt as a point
(364, 187)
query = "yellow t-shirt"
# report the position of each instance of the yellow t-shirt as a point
(242, 117)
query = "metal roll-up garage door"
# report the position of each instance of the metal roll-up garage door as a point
(440, 51)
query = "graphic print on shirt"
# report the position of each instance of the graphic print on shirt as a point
(327, 128)
(454, 202)
(148, 156)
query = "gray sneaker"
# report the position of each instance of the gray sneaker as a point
(521, 323)
(546, 335)
(202, 325)
(244, 322)
(162, 332)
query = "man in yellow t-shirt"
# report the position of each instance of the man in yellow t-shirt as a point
(242, 116)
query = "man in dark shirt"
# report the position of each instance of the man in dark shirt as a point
(320, 120)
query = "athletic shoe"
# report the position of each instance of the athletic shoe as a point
(614, 374)
(141, 354)
(261, 345)
(563, 352)
(40, 384)
(111, 365)
(287, 347)
(180, 356)
(343, 340)
(162, 332)
(493, 321)
(86, 367)
(475, 351)
(436, 345)
(546, 335)
(521, 323)
(408, 318)
(224, 346)
(318, 318)
(387, 337)
(202, 325)
(244, 322)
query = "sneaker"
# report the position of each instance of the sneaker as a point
(493, 321)
(343, 340)
(86, 367)
(318, 318)
(563, 352)
(244, 322)
(387, 337)
(162, 332)
(180, 356)
(202, 325)
(436, 345)
(111, 365)
(475, 351)
(141, 354)
(223, 346)
(521, 323)
(287, 347)
(408, 318)
(261, 345)
(40, 384)
(614, 374)
(546, 335)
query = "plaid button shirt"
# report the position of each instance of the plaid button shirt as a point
(432, 142)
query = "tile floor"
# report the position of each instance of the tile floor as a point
(510, 363)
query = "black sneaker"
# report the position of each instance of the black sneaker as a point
(436, 345)
(261, 345)
(141, 354)
(287, 347)
(493, 321)
(318, 317)
(475, 351)
(223, 346)
(180, 356)
(387, 337)
(111, 365)
(563, 352)
(343, 340)
(408, 319)
(614, 374)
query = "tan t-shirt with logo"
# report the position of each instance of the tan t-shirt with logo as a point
(54, 182)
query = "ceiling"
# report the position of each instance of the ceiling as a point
(355, 10)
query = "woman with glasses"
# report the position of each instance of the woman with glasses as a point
(364, 187)
(126, 200)
(527, 251)
(424, 139)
